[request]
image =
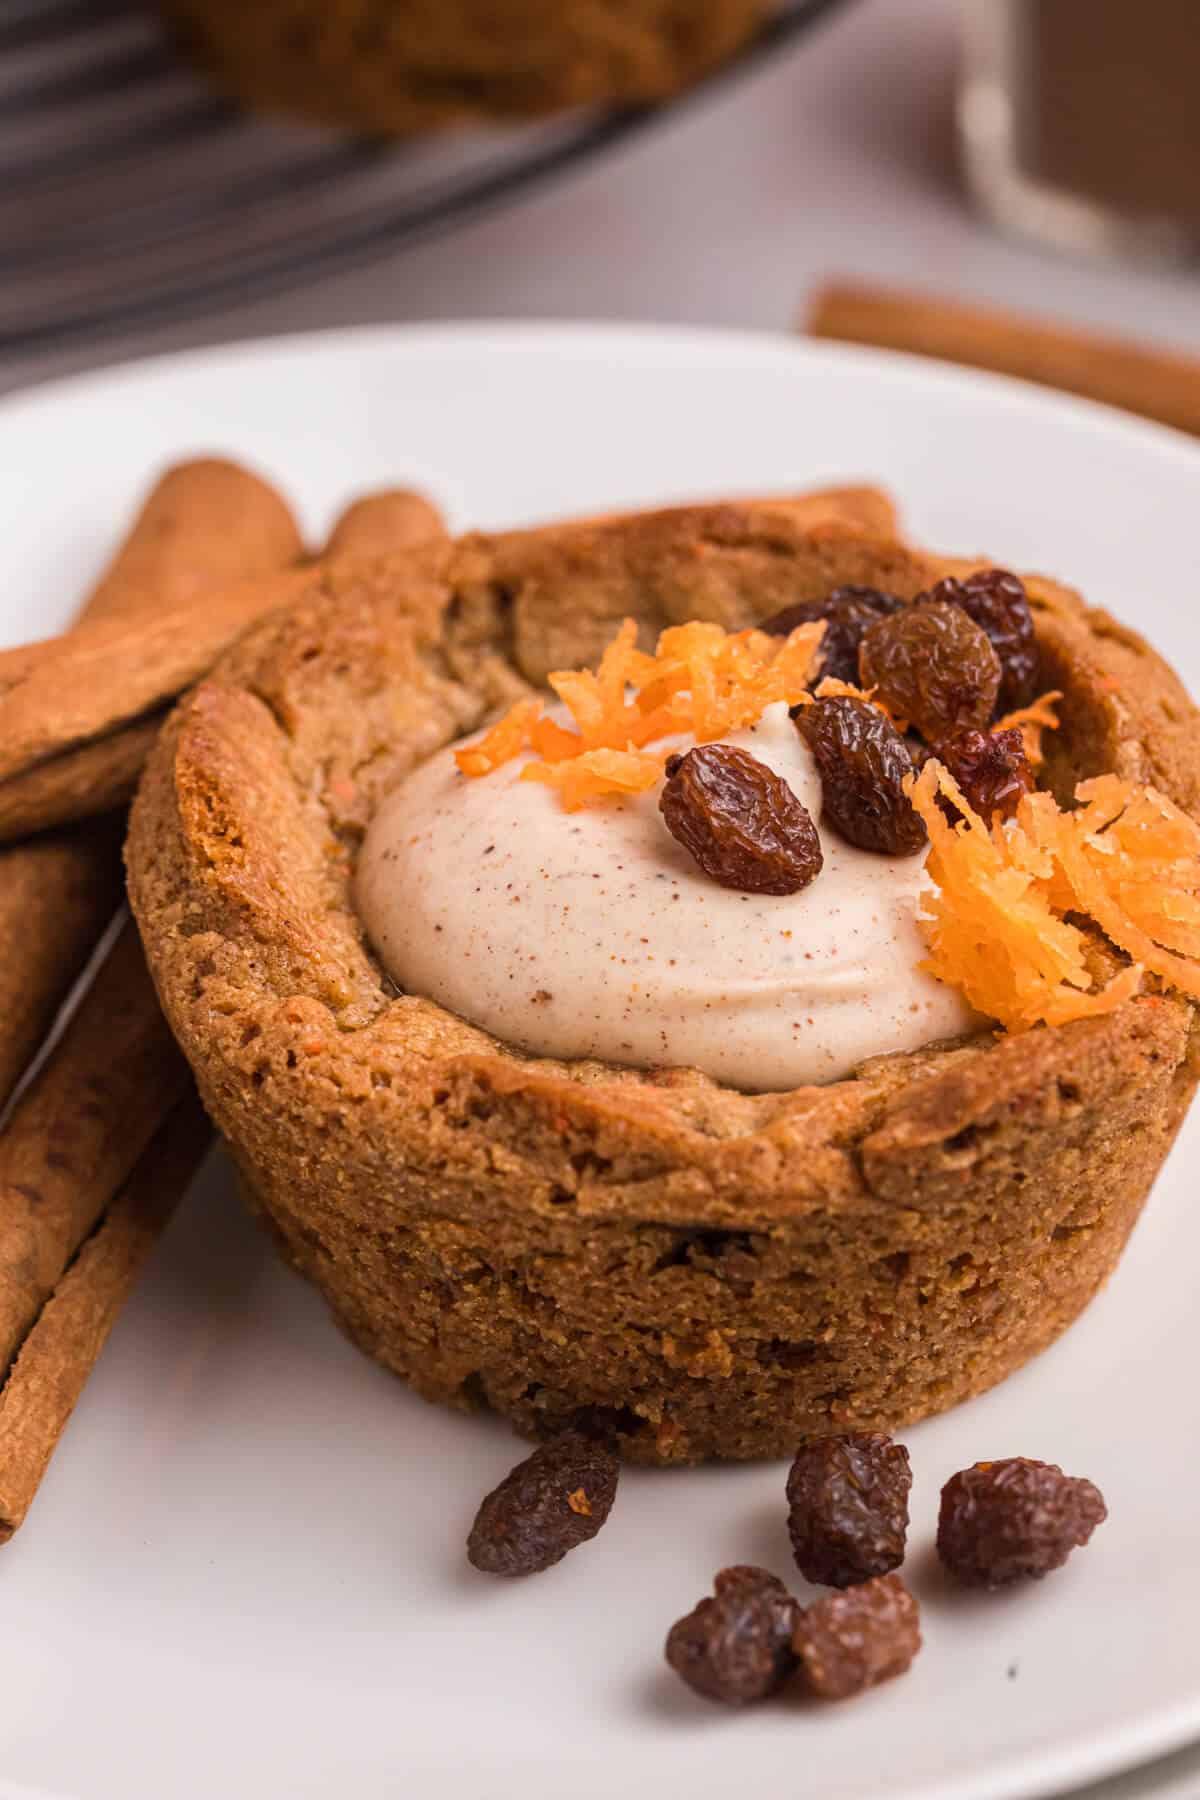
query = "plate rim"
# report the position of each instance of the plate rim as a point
(503, 336)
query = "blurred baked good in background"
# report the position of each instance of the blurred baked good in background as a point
(405, 66)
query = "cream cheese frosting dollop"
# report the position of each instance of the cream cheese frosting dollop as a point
(594, 934)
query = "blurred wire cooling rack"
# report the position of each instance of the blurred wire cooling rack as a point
(131, 193)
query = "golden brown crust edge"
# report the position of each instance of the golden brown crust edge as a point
(714, 1272)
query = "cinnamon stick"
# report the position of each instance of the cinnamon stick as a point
(83, 751)
(60, 1351)
(68, 693)
(78, 712)
(56, 897)
(205, 524)
(77, 1130)
(99, 776)
(1158, 384)
(393, 519)
(201, 522)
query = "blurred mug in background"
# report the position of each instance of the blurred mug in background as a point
(1080, 121)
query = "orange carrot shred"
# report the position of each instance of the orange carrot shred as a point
(506, 739)
(832, 687)
(702, 680)
(999, 919)
(1031, 721)
(996, 921)
(596, 773)
(554, 741)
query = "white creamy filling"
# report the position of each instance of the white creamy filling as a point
(594, 934)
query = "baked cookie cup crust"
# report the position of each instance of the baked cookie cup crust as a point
(709, 1272)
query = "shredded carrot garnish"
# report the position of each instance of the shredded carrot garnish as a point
(832, 688)
(552, 741)
(1133, 863)
(506, 739)
(1031, 721)
(996, 919)
(702, 681)
(1000, 920)
(595, 773)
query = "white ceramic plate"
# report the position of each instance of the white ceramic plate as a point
(244, 1574)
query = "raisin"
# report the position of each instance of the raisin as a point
(737, 1646)
(1010, 1520)
(862, 761)
(934, 666)
(991, 768)
(999, 605)
(845, 1643)
(848, 1506)
(847, 612)
(557, 1498)
(740, 821)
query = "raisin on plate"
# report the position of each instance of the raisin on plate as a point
(991, 768)
(557, 1498)
(846, 1643)
(934, 666)
(846, 613)
(1014, 1519)
(862, 761)
(999, 605)
(848, 1507)
(740, 821)
(737, 1646)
